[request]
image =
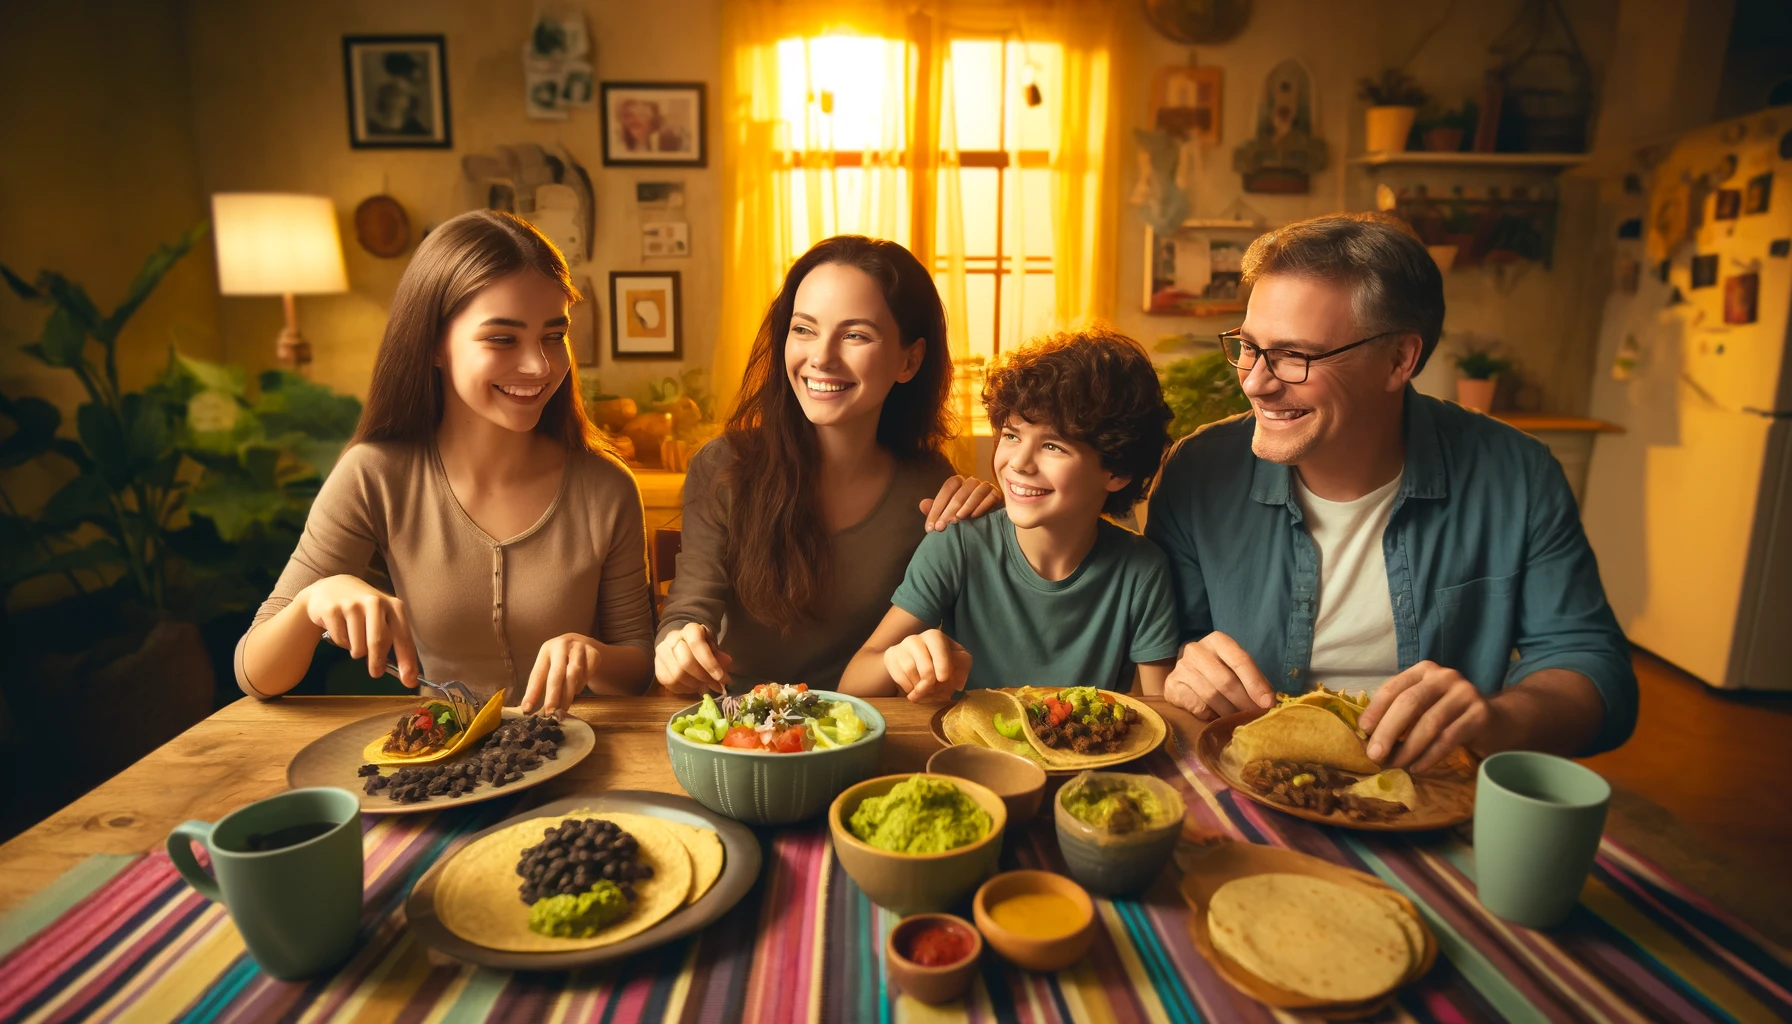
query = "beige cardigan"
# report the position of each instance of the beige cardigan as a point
(480, 608)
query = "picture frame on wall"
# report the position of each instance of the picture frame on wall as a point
(654, 124)
(397, 92)
(1196, 271)
(646, 315)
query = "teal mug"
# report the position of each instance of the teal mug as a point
(288, 869)
(1538, 819)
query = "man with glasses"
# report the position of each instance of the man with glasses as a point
(1353, 533)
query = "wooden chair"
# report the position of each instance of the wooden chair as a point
(662, 562)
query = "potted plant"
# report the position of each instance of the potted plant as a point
(1394, 100)
(181, 504)
(1480, 370)
(1199, 389)
(1445, 132)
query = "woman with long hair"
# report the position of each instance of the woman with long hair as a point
(800, 519)
(513, 540)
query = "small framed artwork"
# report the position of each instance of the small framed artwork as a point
(397, 92)
(646, 320)
(1729, 204)
(654, 124)
(1759, 195)
(1185, 101)
(1704, 270)
(1740, 293)
(1197, 270)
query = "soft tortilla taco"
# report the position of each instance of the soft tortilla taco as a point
(1082, 726)
(1318, 727)
(433, 731)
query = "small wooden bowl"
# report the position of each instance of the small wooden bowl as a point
(910, 883)
(931, 984)
(1028, 951)
(1019, 782)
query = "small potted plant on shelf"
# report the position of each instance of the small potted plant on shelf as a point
(1480, 369)
(1445, 132)
(1394, 100)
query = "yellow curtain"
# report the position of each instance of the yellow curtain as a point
(790, 85)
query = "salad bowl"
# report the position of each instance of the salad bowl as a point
(765, 787)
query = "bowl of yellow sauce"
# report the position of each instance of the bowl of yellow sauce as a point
(1036, 920)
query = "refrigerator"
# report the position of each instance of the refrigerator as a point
(1689, 509)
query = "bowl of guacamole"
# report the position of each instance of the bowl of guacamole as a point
(1117, 830)
(917, 842)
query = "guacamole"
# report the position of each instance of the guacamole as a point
(920, 815)
(580, 916)
(1116, 806)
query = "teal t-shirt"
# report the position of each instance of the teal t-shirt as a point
(1089, 629)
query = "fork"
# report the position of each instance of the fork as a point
(453, 691)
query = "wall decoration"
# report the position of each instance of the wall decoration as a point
(1195, 270)
(1704, 271)
(382, 227)
(544, 185)
(1198, 21)
(654, 124)
(645, 317)
(1759, 194)
(556, 70)
(1163, 204)
(664, 231)
(1284, 153)
(1185, 101)
(1729, 204)
(1740, 293)
(665, 238)
(397, 92)
(1779, 247)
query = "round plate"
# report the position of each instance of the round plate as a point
(334, 758)
(1446, 792)
(937, 727)
(740, 869)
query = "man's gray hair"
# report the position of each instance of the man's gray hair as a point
(1395, 283)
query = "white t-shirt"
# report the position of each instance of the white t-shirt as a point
(1353, 636)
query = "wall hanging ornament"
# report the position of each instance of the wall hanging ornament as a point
(1198, 21)
(1162, 203)
(1285, 152)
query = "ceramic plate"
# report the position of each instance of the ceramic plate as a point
(1446, 792)
(334, 759)
(740, 869)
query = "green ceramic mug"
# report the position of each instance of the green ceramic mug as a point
(1538, 819)
(288, 869)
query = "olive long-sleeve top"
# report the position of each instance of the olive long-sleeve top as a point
(867, 564)
(480, 608)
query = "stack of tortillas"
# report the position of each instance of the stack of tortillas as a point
(1302, 941)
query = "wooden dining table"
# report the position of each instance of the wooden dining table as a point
(805, 945)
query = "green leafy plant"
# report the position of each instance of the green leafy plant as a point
(1392, 88)
(1464, 117)
(689, 384)
(1478, 362)
(1200, 390)
(179, 491)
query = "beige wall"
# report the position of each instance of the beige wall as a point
(98, 170)
(1546, 317)
(269, 114)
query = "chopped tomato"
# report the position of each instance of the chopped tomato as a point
(802, 687)
(742, 737)
(788, 741)
(1056, 711)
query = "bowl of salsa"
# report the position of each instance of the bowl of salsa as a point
(933, 957)
(1037, 920)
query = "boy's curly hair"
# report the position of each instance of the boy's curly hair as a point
(1095, 386)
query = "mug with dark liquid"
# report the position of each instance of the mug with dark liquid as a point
(288, 869)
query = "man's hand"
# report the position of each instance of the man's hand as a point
(1419, 716)
(960, 498)
(1215, 677)
(929, 666)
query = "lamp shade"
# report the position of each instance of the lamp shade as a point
(273, 243)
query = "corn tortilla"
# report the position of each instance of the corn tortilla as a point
(477, 894)
(972, 720)
(1311, 936)
(488, 719)
(1301, 732)
(705, 848)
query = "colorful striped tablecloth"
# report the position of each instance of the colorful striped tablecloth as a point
(127, 939)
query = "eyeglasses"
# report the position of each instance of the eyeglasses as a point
(1285, 364)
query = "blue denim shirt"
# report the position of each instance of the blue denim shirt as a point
(1488, 568)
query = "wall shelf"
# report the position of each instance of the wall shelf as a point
(1491, 161)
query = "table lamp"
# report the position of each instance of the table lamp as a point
(278, 244)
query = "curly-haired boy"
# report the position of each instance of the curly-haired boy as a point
(1043, 591)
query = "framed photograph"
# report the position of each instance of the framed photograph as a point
(1196, 271)
(1185, 101)
(1729, 204)
(1704, 270)
(654, 124)
(646, 321)
(397, 92)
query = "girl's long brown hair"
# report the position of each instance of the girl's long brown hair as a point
(778, 543)
(454, 263)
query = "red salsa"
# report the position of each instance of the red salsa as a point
(938, 945)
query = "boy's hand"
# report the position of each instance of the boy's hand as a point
(929, 666)
(960, 498)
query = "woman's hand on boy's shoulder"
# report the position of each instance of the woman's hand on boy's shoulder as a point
(929, 666)
(960, 498)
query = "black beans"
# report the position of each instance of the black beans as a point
(574, 855)
(514, 748)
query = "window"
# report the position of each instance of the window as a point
(843, 100)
